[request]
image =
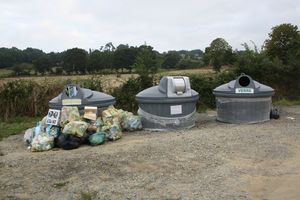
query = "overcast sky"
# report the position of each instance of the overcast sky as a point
(56, 25)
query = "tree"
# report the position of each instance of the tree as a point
(31, 54)
(108, 47)
(284, 41)
(22, 69)
(42, 64)
(124, 57)
(146, 62)
(55, 58)
(171, 59)
(95, 61)
(146, 65)
(196, 54)
(75, 60)
(218, 53)
(99, 60)
(10, 57)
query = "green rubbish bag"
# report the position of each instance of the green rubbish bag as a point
(131, 122)
(97, 138)
(68, 114)
(113, 132)
(42, 142)
(76, 128)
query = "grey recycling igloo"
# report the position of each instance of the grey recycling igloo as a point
(74, 95)
(243, 101)
(169, 105)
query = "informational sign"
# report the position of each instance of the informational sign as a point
(244, 90)
(175, 110)
(53, 117)
(70, 102)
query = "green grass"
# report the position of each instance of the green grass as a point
(286, 102)
(5, 73)
(17, 125)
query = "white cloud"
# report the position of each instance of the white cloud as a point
(57, 25)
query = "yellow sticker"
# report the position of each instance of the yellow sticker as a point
(69, 102)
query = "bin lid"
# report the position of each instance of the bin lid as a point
(74, 95)
(171, 89)
(243, 86)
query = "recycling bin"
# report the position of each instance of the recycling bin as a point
(74, 95)
(243, 101)
(169, 105)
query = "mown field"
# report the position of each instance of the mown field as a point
(108, 81)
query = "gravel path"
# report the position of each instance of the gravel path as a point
(210, 161)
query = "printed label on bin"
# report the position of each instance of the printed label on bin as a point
(53, 117)
(69, 102)
(175, 110)
(244, 90)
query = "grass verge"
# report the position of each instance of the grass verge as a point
(17, 125)
(286, 102)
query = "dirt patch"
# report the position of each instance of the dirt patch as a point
(210, 161)
(282, 183)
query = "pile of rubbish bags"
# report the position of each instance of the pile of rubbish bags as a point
(75, 130)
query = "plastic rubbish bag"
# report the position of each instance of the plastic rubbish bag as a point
(130, 122)
(43, 121)
(97, 138)
(274, 113)
(76, 128)
(125, 119)
(94, 126)
(111, 116)
(68, 142)
(53, 131)
(40, 128)
(68, 114)
(113, 132)
(28, 136)
(42, 142)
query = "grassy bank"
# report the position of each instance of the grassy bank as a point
(17, 125)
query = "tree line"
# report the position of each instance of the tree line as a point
(106, 58)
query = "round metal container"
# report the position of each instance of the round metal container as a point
(170, 105)
(243, 101)
(81, 97)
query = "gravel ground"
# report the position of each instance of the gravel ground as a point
(210, 161)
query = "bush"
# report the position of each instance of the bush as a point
(204, 84)
(25, 98)
(284, 78)
(188, 64)
(94, 83)
(125, 95)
